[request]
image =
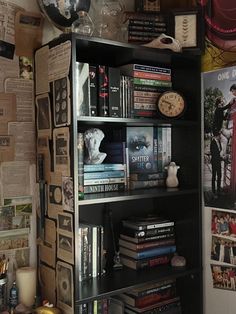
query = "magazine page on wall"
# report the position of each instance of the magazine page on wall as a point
(219, 99)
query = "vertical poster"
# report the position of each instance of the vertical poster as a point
(219, 98)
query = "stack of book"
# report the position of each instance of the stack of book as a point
(146, 242)
(152, 298)
(148, 83)
(144, 27)
(104, 178)
(91, 262)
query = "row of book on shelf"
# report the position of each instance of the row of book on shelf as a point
(152, 298)
(139, 162)
(128, 91)
(144, 242)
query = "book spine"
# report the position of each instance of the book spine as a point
(83, 93)
(152, 76)
(94, 251)
(147, 226)
(147, 176)
(146, 33)
(160, 150)
(145, 106)
(157, 290)
(149, 253)
(89, 272)
(141, 264)
(104, 181)
(168, 148)
(144, 28)
(146, 88)
(84, 253)
(146, 94)
(98, 254)
(139, 81)
(147, 233)
(135, 185)
(103, 167)
(147, 245)
(144, 113)
(114, 92)
(151, 69)
(104, 175)
(170, 235)
(147, 23)
(102, 91)
(80, 144)
(114, 187)
(93, 90)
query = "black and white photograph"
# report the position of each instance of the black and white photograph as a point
(65, 222)
(61, 142)
(67, 194)
(43, 115)
(61, 102)
(223, 277)
(65, 291)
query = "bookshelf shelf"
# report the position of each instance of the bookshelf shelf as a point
(112, 284)
(135, 122)
(136, 194)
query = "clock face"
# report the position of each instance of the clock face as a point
(171, 104)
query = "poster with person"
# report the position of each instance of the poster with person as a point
(219, 99)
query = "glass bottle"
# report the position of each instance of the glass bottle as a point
(13, 296)
(83, 25)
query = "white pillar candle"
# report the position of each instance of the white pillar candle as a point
(26, 283)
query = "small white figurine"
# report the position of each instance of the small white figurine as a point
(92, 139)
(172, 180)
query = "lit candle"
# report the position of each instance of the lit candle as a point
(26, 283)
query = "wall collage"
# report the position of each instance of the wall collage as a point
(219, 166)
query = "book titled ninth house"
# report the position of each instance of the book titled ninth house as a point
(141, 150)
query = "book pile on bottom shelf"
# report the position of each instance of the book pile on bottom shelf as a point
(146, 242)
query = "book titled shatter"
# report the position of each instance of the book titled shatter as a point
(140, 149)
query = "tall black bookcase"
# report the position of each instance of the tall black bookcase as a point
(183, 204)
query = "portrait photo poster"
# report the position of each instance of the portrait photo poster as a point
(219, 100)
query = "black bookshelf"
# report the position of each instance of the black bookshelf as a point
(183, 204)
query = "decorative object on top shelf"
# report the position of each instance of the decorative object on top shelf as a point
(186, 27)
(63, 13)
(83, 25)
(178, 261)
(172, 180)
(109, 21)
(171, 104)
(147, 6)
(165, 42)
(92, 139)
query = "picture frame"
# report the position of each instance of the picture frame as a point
(186, 26)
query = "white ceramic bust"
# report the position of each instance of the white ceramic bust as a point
(172, 180)
(92, 139)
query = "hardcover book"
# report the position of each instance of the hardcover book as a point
(102, 91)
(146, 223)
(140, 149)
(145, 245)
(157, 251)
(83, 86)
(114, 92)
(104, 167)
(93, 89)
(147, 233)
(145, 263)
(157, 237)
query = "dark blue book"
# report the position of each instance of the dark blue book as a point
(148, 253)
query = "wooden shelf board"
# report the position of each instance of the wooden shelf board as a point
(108, 197)
(123, 280)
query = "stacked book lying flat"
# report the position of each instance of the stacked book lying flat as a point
(148, 83)
(152, 298)
(146, 242)
(104, 178)
(144, 27)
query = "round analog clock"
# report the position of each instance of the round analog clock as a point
(171, 104)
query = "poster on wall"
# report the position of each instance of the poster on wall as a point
(220, 28)
(219, 99)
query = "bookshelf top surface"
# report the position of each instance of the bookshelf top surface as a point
(123, 280)
(135, 194)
